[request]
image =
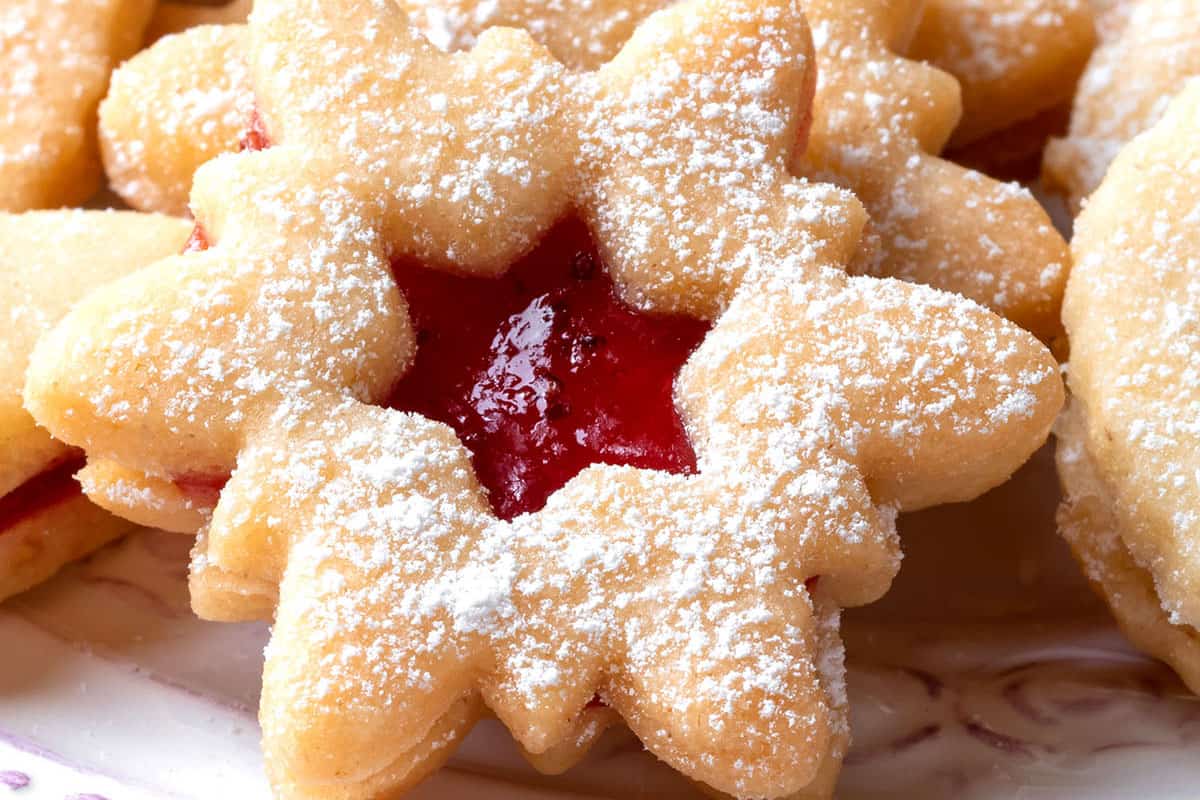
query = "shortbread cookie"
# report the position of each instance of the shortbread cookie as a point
(1127, 451)
(550, 516)
(50, 260)
(1014, 59)
(565, 141)
(55, 59)
(1149, 49)
(880, 117)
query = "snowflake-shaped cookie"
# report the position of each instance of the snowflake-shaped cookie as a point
(699, 606)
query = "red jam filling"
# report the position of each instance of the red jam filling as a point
(544, 370)
(44, 490)
(197, 241)
(203, 490)
(255, 137)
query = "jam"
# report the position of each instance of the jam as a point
(255, 137)
(203, 490)
(48, 488)
(196, 241)
(544, 370)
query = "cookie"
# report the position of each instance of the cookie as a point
(559, 151)
(718, 422)
(880, 119)
(55, 60)
(50, 260)
(1015, 59)
(1127, 448)
(1149, 48)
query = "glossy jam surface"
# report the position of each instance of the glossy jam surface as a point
(203, 490)
(44, 490)
(544, 371)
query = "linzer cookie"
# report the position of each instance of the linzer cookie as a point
(55, 59)
(482, 455)
(1149, 49)
(880, 119)
(1015, 59)
(552, 148)
(50, 260)
(1127, 448)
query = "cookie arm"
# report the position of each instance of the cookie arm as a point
(172, 107)
(949, 423)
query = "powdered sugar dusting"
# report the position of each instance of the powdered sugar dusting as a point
(878, 120)
(172, 107)
(935, 223)
(583, 35)
(49, 260)
(994, 46)
(686, 612)
(1013, 58)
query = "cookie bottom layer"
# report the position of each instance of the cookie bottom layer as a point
(1087, 519)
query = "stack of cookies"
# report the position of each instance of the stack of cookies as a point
(570, 363)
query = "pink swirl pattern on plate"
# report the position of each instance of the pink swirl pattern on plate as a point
(13, 779)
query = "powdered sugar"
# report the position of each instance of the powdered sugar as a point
(879, 121)
(1148, 50)
(153, 140)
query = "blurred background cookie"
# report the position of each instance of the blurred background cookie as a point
(55, 60)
